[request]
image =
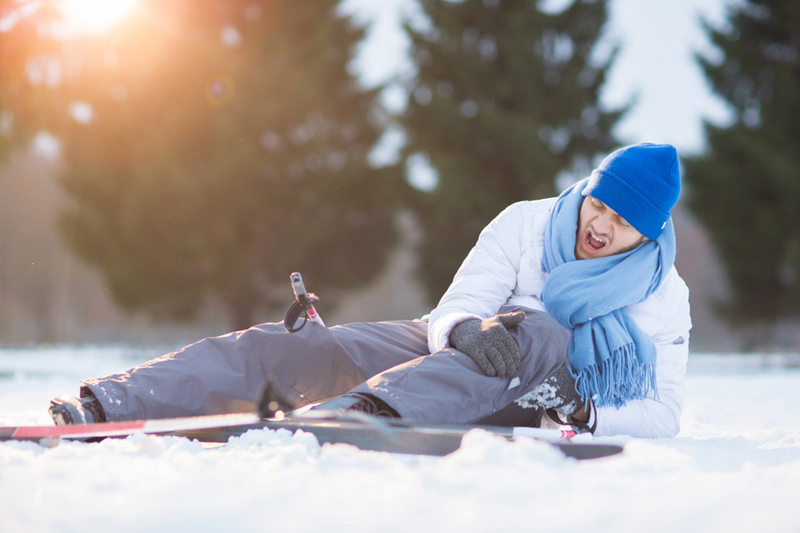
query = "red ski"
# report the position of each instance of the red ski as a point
(360, 430)
(124, 429)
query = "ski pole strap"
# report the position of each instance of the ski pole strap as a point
(581, 427)
(295, 310)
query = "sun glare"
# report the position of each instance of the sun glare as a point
(94, 15)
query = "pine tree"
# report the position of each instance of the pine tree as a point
(746, 188)
(220, 145)
(24, 49)
(506, 98)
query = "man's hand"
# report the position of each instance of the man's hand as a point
(489, 343)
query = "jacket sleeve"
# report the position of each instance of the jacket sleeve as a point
(658, 417)
(485, 279)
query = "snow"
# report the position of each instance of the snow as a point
(734, 467)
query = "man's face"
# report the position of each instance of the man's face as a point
(602, 232)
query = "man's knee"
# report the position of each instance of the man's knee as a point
(540, 334)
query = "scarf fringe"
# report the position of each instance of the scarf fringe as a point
(617, 380)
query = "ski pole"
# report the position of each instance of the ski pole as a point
(304, 298)
(544, 433)
(304, 302)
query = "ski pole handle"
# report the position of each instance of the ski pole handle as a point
(304, 299)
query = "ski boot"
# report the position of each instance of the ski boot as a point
(67, 410)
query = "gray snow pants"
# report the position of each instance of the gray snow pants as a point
(387, 359)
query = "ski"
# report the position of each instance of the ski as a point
(103, 430)
(362, 431)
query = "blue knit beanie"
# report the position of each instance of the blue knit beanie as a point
(641, 183)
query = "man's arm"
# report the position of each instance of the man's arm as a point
(485, 279)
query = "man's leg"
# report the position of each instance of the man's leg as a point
(226, 374)
(448, 387)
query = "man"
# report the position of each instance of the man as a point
(569, 304)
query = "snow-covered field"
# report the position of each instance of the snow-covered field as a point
(734, 467)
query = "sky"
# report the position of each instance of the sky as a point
(655, 69)
(659, 41)
(655, 65)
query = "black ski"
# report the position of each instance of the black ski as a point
(397, 436)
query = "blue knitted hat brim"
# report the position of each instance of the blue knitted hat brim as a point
(626, 201)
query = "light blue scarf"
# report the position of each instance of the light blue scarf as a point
(611, 358)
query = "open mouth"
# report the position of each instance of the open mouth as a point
(592, 243)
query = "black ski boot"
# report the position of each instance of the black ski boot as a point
(372, 405)
(66, 410)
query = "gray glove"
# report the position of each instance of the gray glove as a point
(489, 343)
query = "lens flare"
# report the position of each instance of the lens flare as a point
(219, 92)
(94, 15)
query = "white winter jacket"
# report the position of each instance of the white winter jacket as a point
(505, 267)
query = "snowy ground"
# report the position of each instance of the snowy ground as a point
(734, 467)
